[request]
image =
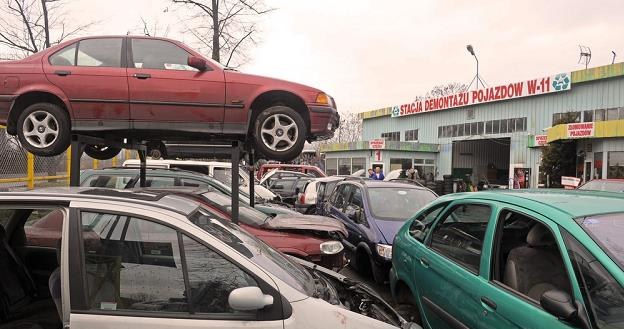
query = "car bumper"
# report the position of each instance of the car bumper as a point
(324, 120)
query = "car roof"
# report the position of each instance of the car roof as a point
(181, 162)
(154, 198)
(575, 203)
(279, 165)
(149, 171)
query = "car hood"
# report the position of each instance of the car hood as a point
(388, 229)
(245, 78)
(306, 222)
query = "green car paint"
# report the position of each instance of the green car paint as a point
(451, 294)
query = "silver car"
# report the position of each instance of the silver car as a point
(97, 258)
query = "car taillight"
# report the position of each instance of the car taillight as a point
(301, 198)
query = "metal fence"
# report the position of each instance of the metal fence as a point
(21, 170)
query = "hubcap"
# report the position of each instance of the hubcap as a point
(40, 129)
(279, 132)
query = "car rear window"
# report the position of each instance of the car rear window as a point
(397, 203)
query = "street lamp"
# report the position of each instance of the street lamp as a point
(477, 78)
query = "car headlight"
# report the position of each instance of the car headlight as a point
(322, 98)
(331, 247)
(384, 250)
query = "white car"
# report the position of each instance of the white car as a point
(219, 170)
(307, 201)
(151, 260)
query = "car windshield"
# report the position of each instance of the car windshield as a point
(246, 214)
(603, 185)
(255, 250)
(397, 203)
(608, 231)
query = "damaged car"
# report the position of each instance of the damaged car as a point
(143, 259)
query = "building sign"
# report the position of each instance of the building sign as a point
(570, 182)
(580, 130)
(533, 87)
(540, 140)
(377, 144)
(378, 156)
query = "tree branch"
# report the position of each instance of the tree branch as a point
(238, 44)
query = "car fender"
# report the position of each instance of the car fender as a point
(265, 89)
(44, 88)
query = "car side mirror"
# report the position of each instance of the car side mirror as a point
(560, 304)
(198, 63)
(249, 299)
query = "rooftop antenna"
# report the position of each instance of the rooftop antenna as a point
(585, 56)
(614, 54)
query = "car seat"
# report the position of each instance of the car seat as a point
(536, 267)
(54, 283)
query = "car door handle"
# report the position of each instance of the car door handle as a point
(424, 262)
(62, 73)
(142, 76)
(488, 303)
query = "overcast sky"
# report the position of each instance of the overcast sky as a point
(370, 54)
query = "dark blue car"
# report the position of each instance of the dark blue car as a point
(373, 212)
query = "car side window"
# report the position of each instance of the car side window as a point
(212, 278)
(192, 182)
(421, 225)
(159, 55)
(333, 199)
(135, 264)
(602, 293)
(104, 52)
(65, 56)
(343, 197)
(160, 182)
(132, 264)
(527, 259)
(460, 233)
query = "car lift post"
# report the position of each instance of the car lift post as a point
(252, 179)
(235, 180)
(78, 143)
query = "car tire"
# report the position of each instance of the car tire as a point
(279, 133)
(101, 152)
(44, 129)
(379, 274)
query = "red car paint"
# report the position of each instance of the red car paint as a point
(216, 101)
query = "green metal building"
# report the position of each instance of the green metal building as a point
(497, 132)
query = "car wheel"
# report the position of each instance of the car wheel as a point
(101, 152)
(280, 133)
(156, 150)
(43, 129)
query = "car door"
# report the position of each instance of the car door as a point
(506, 295)
(450, 266)
(135, 271)
(164, 90)
(92, 74)
(355, 218)
(336, 209)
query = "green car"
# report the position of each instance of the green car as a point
(121, 178)
(534, 259)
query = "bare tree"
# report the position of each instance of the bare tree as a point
(226, 27)
(350, 130)
(451, 88)
(153, 29)
(28, 26)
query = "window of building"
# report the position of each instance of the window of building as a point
(460, 130)
(331, 166)
(488, 127)
(474, 128)
(396, 163)
(613, 114)
(566, 117)
(504, 126)
(600, 115)
(357, 164)
(344, 166)
(440, 129)
(621, 113)
(411, 135)
(480, 128)
(588, 116)
(392, 136)
(616, 165)
(521, 124)
(454, 130)
(463, 249)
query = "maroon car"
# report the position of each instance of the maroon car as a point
(153, 89)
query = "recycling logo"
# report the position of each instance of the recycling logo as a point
(395, 111)
(561, 82)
